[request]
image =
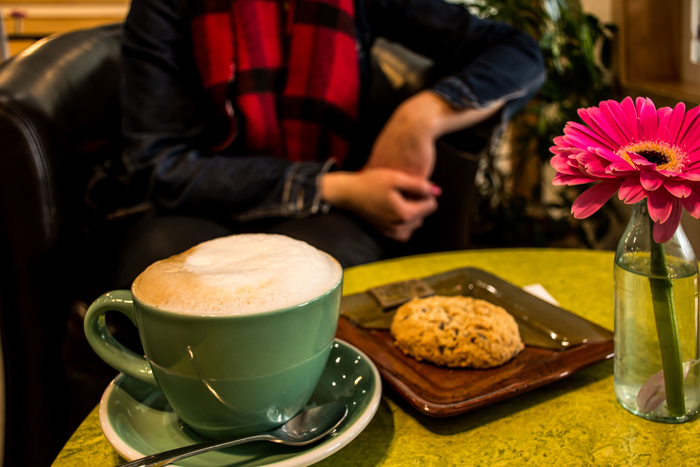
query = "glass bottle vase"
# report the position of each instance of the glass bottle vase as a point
(657, 375)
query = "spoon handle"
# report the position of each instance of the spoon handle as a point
(174, 455)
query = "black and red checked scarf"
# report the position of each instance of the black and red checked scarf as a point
(296, 85)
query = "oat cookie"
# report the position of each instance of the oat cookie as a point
(456, 332)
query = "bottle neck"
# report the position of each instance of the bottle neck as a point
(638, 239)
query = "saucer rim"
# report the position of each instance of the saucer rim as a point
(312, 456)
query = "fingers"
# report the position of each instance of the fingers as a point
(406, 210)
(418, 209)
(410, 216)
(417, 186)
(394, 202)
(402, 232)
(405, 232)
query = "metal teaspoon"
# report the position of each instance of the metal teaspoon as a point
(307, 427)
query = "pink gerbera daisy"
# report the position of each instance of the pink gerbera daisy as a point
(639, 152)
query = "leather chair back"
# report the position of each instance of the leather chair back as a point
(58, 113)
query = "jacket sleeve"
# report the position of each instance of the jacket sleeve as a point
(164, 110)
(480, 61)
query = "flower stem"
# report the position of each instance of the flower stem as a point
(667, 329)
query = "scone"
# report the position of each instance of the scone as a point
(456, 332)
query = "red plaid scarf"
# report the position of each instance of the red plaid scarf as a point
(297, 88)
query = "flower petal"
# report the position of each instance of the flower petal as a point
(691, 138)
(630, 118)
(691, 203)
(559, 141)
(664, 230)
(608, 126)
(567, 165)
(573, 162)
(653, 392)
(598, 122)
(561, 165)
(650, 180)
(692, 161)
(593, 198)
(677, 189)
(614, 109)
(631, 191)
(581, 141)
(585, 115)
(596, 139)
(562, 150)
(566, 179)
(639, 160)
(688, 121)
(620, 169)
(609, 155)
(664, 115)
(675, 122)
(599, 171)
(594, 165)
(649, 120)
(667, 173)
(693, 175)
(584, 157)
(660, 204)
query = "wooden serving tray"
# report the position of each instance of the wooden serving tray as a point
(443, 392)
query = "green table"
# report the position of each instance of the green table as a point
(573, 422)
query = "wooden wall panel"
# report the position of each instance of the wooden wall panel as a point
(53, 25)
(58, 16)
(651, 40)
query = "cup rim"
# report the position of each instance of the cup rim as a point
(182, 315)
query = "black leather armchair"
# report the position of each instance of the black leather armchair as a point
(59, 114)
(59, 118)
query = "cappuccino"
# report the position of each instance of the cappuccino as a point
(239, 274)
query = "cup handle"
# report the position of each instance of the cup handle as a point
(106, 346)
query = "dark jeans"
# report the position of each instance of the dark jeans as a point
(345, 237)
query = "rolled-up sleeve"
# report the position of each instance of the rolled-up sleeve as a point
(479, 61)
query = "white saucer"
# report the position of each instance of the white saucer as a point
(138, 421)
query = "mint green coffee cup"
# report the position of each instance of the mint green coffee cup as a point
(224, 375)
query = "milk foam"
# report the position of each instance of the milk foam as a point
(240, 274)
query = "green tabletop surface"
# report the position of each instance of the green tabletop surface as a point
(573, 422)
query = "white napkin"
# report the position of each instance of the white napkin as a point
(539, 291)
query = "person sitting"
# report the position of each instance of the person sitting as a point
(242, 115)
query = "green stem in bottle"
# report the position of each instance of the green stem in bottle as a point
(667, 329)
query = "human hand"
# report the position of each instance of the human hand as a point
(394, 202)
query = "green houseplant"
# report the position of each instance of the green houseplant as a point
(577, 50)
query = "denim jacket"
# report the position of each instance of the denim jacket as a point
(165, 108)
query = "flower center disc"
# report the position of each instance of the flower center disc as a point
(657, 158)
(666, 156)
